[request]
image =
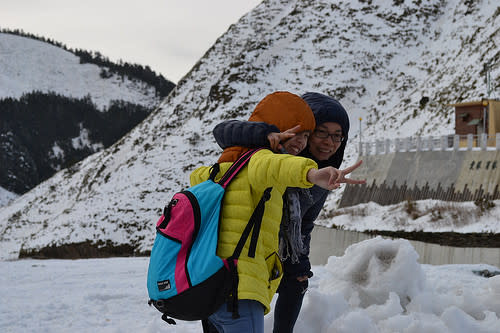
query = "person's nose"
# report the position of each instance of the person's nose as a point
(330, 140)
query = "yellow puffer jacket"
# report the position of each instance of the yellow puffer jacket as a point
(259, 277)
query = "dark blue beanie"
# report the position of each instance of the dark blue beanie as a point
(327, 109)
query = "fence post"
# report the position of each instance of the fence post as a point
(419, 144)
(456, 142)
(498, 141)
(406, 144)
(430, 143)
(387, 146)
(444, 142)
(484, 140)
(470, 141)
(397, 144)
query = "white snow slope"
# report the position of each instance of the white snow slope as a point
(379, 58)
(28, 65)
(6, 197)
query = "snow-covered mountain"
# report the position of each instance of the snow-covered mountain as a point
(382, 59)
(44, 85)
(28, 65)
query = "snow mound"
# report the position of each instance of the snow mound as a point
(372, 270)
(379, 286)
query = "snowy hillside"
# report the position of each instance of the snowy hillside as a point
(6, 197)
(379, 58)
(43, 84)
(28, 65)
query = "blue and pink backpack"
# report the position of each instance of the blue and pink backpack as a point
(186, 278)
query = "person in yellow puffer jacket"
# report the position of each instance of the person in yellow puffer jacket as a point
(259, 277)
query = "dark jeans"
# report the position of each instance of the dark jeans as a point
(291, 293)
(208, 327)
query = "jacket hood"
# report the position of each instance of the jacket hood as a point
(328, 109)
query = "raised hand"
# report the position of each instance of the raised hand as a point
(275, 139)
(330, 178)
(342, 175)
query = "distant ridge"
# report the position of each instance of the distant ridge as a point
(133, 71)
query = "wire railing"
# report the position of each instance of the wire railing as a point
(431, 143)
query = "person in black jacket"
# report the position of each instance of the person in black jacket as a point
(326, 147)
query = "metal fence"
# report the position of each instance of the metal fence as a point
(431, 143)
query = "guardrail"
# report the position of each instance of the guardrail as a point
(431, 143)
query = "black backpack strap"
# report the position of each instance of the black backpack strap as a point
(214, 170)
(257, 216)
(159, 306)
(254, 223)
(167, 319)
(232, 303)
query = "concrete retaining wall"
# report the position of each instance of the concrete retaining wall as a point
(456, 175)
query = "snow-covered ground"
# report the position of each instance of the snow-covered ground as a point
(423, 215)
(377, 286)
(6, 197)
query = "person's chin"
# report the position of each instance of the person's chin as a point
(322, 156)
(294, 150)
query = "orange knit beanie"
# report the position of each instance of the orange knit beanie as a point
(281, 109)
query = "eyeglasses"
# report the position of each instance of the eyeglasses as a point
(324, 134)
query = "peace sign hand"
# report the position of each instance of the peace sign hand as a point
(330, 178)
(276, 138)
(341, 178)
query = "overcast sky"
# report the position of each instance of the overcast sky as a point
(168, 35)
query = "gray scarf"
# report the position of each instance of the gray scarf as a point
(291, 243)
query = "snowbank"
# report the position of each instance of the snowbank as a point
(377, 286)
